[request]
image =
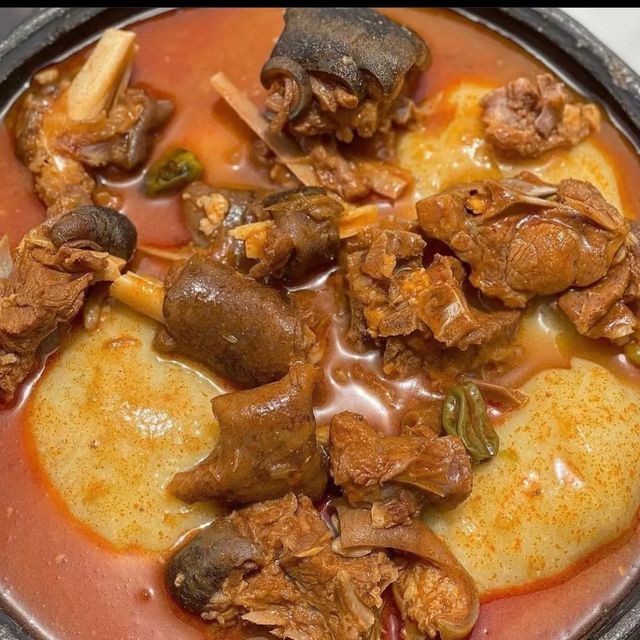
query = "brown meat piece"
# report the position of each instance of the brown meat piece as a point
(245, 331)
(60, 153)
(210, 212)
(522, 237)
(526, 119)
(267, 445)
(305, 235)
(398, 300)
(353, 178)
(44, 292)
(399, 474)
(301, 588)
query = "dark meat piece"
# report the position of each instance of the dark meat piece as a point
(99, 228)
(301, 588)
(339, 70)
(305, 236)
(267, 445)
(336, 74)
(526, 119)
(45, 290)
(60, 152)
(398, 475)
(245, 331)
(199, 569)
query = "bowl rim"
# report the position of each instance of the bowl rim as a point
(579, 57)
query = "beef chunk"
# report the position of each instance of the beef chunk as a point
(300, 587)
(267, 445)
(522, 238)
(304, 236)
(245, 331)
(61, 152)
(395, 301)
(44, 291)
(519, 244)
(398, 475)
(328, 84)
(526, 119)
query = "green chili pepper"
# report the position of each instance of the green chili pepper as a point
(632, 353)
(464, 414)
(171, 172)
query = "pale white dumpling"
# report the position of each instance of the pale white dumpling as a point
(112, 422)
(566, 480)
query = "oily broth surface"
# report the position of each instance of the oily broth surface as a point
(117, 488)
(566, 480)
(112, 422)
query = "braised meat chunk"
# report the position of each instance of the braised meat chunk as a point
(303, 236)
(522, 238)
(272, 564)
(53, 267)
(526, 118)
(245, 331)
(67, 125)
(267, 445)
(398, 304)
(434, 593)
(398, 475)
(339, 74)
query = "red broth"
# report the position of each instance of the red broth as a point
(67, 583)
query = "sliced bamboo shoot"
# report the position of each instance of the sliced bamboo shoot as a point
(143, 294)
(287, 150)
(102, 77)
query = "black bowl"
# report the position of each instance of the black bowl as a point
(549, 34)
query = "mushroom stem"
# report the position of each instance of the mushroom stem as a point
(143, 294)
(287, 151)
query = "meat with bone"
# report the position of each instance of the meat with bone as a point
(274, 567)
(396, 475)
(61, 151)
(53, 267)
(246, 332)
(522, 237)
(267, 445)
(526, 119)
